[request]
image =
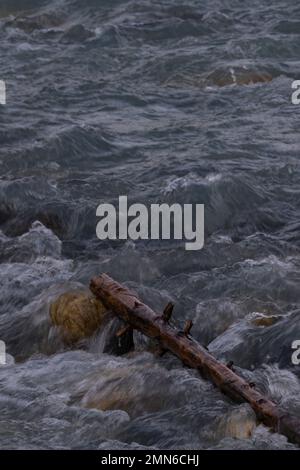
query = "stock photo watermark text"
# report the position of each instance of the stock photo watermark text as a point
(296, 93)
(160, 221)
(2, 92)
(296, 353)
(2, 353)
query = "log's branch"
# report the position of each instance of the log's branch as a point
(167, 313)
(139, 316)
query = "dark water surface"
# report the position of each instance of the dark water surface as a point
(154, 100)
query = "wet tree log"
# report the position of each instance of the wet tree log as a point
(139, 316)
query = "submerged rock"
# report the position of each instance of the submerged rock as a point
(78, 33)
(264, 320)
(77, 315)
(29, 24)
(239, 423)
(222, 77)
(238, 76)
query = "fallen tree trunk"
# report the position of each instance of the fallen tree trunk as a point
(139, 316)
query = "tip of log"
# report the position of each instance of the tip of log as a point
(94, 282)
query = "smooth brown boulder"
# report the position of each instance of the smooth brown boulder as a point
(77, 315)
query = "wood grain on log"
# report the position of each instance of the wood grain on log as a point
(139, 316)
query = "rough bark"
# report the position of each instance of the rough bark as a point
(139, 316)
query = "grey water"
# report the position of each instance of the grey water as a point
(162, 101)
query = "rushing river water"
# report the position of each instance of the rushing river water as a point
(163, 101)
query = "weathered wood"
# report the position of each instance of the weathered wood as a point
(139, 316)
